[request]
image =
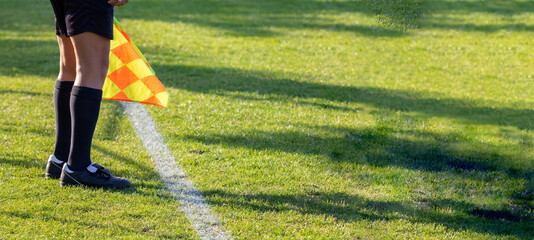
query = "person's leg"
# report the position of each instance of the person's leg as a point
(62, 89)
(67, 59)
(92, 58)
(64, 83)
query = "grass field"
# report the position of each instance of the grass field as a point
(302, 119)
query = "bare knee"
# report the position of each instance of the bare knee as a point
(67, 71)
(67, 59)
(92, 72)
(92, 59)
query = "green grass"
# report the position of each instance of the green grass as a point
(298, 119)
(397, 14)
(32, 207)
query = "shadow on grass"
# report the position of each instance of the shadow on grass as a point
(352, 208)
(28, 57)
(28, 20)
(108, 130)
(146, 180)
(386, 144)
(262, 18)
(208, 80)
(22, 161)
(141, 170)
(258, 18)
(451, 15)
(512, 7)
(520, 27)
(136, 227)
(110, 120)
(25, 129)
(239, 17)
(380, 146)
(63, 221)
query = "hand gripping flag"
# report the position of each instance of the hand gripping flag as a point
(130, 77)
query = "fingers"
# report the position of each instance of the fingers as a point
(118, 3)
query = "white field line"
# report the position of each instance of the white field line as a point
(197, 210)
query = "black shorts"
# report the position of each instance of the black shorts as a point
(79, 16)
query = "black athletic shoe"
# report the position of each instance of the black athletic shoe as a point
(94, 176)
(54, 167)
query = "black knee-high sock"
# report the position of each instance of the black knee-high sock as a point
(84, 108)
(62, 109)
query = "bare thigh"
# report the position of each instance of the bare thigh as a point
(92, 59)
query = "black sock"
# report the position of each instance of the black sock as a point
(84, 108)
(62, 109)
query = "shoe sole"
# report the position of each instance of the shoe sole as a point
(68, 184)
(76, 183)
(50, 176)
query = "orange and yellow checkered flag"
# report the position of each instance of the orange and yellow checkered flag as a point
(130, 77)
